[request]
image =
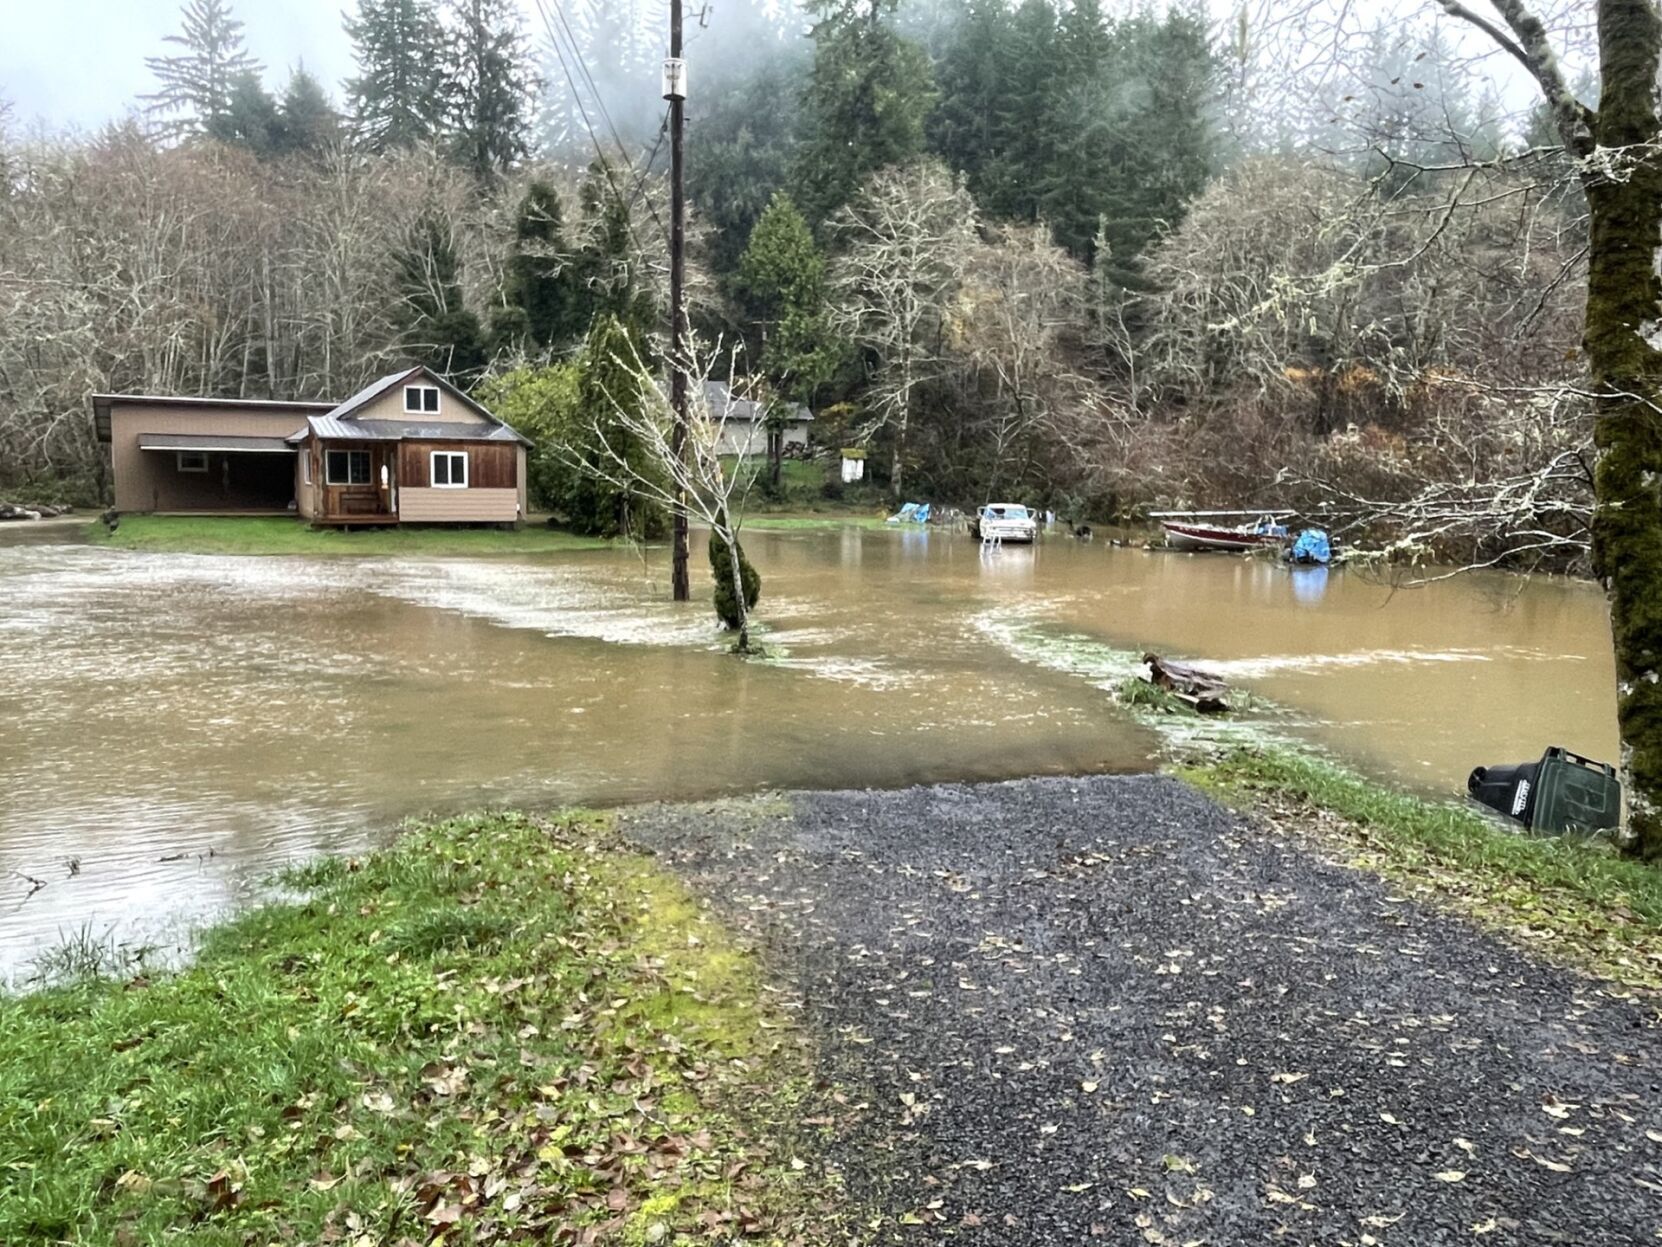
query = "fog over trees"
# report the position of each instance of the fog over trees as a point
(1099, 256)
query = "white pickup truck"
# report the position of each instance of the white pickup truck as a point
(1004, 522)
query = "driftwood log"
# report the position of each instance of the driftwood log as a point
(1202, 690)
(17, 511)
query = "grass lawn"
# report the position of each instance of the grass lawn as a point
(802, 491)
(800, 523)
(181, 534)
(499, 1028)
(1584, 903)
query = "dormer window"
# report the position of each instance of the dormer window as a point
(421, 398)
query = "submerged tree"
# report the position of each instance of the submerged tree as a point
(629, 444)
(727, 587)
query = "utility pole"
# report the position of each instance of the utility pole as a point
(675, 91)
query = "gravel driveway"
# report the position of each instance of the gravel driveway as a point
(1065, 1011)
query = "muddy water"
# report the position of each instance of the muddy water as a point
(173, 726)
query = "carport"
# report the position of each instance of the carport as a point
(220, 472)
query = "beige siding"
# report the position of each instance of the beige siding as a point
(149, 480)
(458, 506)
(305, 492)
(742, 437)
(390, 406)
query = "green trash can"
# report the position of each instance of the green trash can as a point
(1574, 794)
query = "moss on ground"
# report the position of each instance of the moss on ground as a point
(1582, 903)
(500, 1028)
(182, 534)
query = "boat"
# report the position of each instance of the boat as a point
(1006, 522)
(1194, 533)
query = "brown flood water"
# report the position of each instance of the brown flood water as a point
(173, 726)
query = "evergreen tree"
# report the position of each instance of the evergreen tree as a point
(866, 101)
(610, 381)
(973, 72)
(747, 130)
(608, 268)
(309, 123)
(546, 307)
(721, 572)
(781, 284)
(1024, 118)
(491, 86)
(439, 330)
(198, 82)
(251, 118)
(398, 98)
(1133, 135)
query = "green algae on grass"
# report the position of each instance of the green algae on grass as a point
(1580, 902)
(499, 1027)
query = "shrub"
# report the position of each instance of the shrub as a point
(727, 609)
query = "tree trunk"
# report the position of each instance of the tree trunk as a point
(1623, 337)
(734, 557)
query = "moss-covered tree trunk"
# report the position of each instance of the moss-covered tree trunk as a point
(1623, 177)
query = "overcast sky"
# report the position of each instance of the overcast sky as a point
(80, 63)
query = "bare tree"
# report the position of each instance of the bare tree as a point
(632, 447)
(905, 241)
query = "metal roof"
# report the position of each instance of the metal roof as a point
(334, 429)
(371, 392)
(718, 397)
(215, 441)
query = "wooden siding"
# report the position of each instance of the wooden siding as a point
(490, 465)
(421, 505)
(355, 502)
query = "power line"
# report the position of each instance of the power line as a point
(588, 122)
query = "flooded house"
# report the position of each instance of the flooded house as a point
(407, 448)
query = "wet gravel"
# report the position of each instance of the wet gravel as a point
(1106, 1010)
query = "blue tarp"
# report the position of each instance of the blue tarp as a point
(1312, 546)
(911, 513)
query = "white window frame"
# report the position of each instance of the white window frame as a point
(433, 468)
(305, 466)
(198, 458)
(420, 392)
(329, 477)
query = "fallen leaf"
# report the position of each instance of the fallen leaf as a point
(1555, 1166)
(1450, 1175)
